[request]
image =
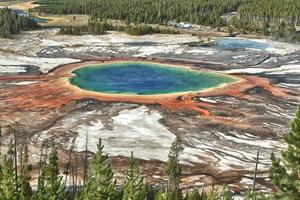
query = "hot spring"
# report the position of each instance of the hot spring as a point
(144, 78)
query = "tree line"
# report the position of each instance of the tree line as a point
(271, 11)
(145, 11)
(276, 18)
(99, 183)
(265, 16)
(100, 28)
(11, 23)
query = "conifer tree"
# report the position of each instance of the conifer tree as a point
(50, 183)
(134, 188)
(41, 188)
(41, 193)
(160, 195)
(150, 191)
(285, 173)
(99, 183)
(194, 195)
(173, 171)
(8, 185)
(25, 191)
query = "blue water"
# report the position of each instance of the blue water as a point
(144, 78)
(26, 14)
(240, 44)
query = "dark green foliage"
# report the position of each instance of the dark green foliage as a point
(287, 31)
(269, 17)
(24, 177)
(194, 195)
(8, 184)
(50, 184)
(71, 31)
(100, 183)
(11, 23)
(252, 15)
(100, 28)
(285, 173)
(145, 30)
(95, 28)
(260, 196)
(146, 11)
(150, 191)
(173, 171)
(134, 188)
(272, 11)
(226, 194)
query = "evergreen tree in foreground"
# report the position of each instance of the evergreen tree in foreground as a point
(8, 183)
(285, 173)
(134, 188)
(194, 195)
(50, 183)
(100, 184)
(25, 191)
(173, 171)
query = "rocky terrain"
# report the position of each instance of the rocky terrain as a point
(219, 147)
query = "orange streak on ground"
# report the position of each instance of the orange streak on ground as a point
(54, 91)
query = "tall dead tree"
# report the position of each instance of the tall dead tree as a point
(15, 157)
(85, 158)
(255, 174)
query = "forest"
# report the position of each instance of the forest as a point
(160, 11)
(100, 28)
(276, 18)
(146, 11)
(264, 16)
(99, 183)
(271, 11)
(11, 23)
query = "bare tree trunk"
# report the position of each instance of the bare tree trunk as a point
(85, 159)
(41, 159)
(255, 173)
(0, 143)
(15, 160)
(76, 170)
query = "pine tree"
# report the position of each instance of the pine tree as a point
(226, 194)
(50, 183)
(25, 191)
(160, 195)
(194, 195)
(99, 184)
(285, 173)
(150, 191)
(7, 185)
(134, 188)
(173, 171)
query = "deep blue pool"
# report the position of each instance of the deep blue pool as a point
(237, 44)
(26, 14)
(144, 78)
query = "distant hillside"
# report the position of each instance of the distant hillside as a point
(270, 11)
(12, 23)
(264, 16)
(147, 11)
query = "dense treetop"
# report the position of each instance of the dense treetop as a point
(272, 11)
(11, 23)
(147, 11)
(100, 28)
(206, 12)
